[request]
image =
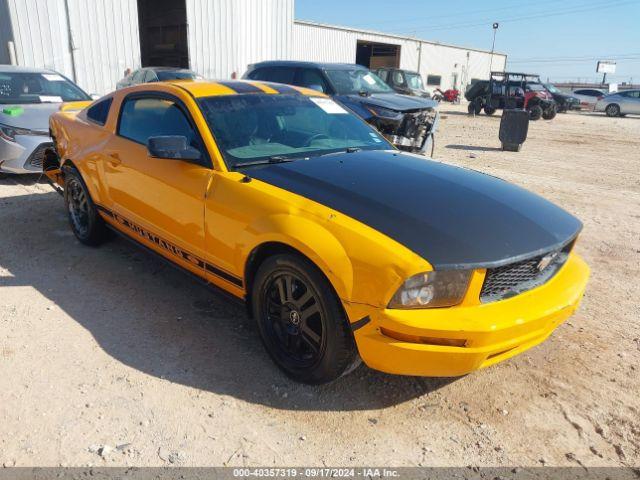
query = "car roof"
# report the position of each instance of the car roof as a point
(210, 88)
(323, 65)
(17, 69)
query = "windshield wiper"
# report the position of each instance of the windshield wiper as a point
(267, 161)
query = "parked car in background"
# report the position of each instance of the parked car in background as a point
(564, 101)
(341, 247)
(27, 98)
(406, 82)
(588, 97)
(408, 122)
(156, 74)
(620, 103)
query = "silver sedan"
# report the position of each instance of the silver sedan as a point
(27, 98)
(620, 103)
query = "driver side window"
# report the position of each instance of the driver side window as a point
(141, 118)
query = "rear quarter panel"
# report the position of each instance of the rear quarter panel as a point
(79, 142)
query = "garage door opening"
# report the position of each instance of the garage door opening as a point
(163, 33)
(377, 55)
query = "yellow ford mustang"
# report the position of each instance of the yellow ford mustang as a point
(342, 247)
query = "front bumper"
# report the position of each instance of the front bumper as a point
(414, 133)
(490, 332)
(25, 155)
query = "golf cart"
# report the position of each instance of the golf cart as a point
(512, 90)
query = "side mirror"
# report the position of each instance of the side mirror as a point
(172, 147)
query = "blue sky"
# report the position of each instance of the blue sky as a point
(561, 40)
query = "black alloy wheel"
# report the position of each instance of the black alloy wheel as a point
(301, 321)
(295, 320)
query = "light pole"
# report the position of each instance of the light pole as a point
(495, 29)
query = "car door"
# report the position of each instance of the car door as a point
(161, 200)
(631, 102)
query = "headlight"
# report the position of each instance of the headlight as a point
(432, 289)
(9, 133)
(385, 112)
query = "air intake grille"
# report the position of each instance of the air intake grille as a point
(37, 157)
(510, 280)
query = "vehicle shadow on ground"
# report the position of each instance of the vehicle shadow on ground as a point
(162, 322)
(474, 148)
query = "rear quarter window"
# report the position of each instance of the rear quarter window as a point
(99, 112)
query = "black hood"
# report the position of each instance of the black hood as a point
(392, 101)
(450, 216)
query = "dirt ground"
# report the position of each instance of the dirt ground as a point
(110, 357)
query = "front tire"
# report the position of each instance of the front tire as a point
(85, 221)
(612, 110)
(535, 112)
(488, 110)
(301, 320)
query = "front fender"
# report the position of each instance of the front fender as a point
(309, 238)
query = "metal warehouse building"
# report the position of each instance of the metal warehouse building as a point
(94, 41)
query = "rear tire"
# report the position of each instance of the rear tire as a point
(474, 107)
(85, 221)
(535, 112)
(612, 110)
(301, 321)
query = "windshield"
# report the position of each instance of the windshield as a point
(552, 88)
(414, 80)
(164, 75)
(250, 128)
(346, 82)
(28, 87)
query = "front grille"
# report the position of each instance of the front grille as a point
(510, 280)
(37, 156)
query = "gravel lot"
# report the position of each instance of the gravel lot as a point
(110, 357)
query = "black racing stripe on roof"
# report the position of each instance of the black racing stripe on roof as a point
(241, 87)
(280, 88)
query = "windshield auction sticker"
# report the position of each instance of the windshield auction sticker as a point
(328, 105)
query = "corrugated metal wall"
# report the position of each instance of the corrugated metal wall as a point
(326, 43)
(227, 35)
(105, 37)
(224, 36)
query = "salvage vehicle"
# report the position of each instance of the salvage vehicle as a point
(564, 101)
(406, 121)
(402, 81)
(156, 74)
(342, 246)
(27, 97)
(619, 104)
(511, 90)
